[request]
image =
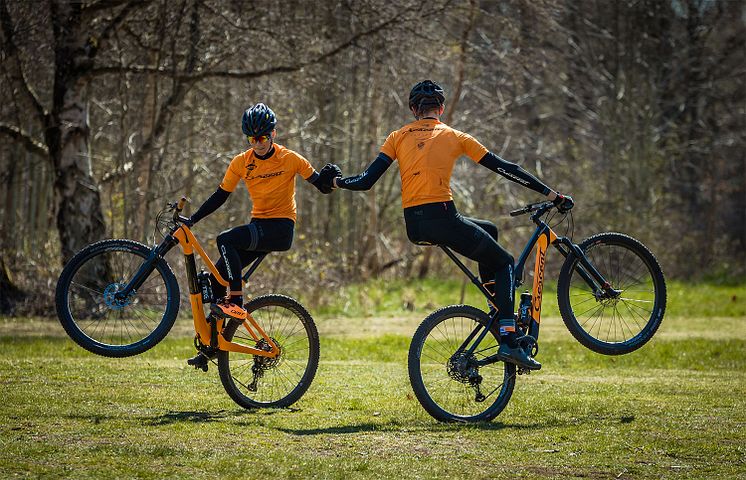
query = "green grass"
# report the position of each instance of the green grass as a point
(386, 297)
(674, 409)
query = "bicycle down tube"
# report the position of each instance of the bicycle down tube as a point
(542, 237)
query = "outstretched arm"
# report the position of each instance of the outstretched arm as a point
(516, 173)
(323, 180)
(368, 178)
(215, 201)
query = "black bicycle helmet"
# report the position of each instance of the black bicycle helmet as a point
(258, 120)
(426, 94)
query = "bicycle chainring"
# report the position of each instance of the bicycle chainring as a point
(529, 344)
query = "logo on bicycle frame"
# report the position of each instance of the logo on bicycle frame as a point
(541, 257)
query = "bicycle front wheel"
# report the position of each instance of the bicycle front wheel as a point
(96, 318)
(626, 319)
(448, 382)
(253, 381)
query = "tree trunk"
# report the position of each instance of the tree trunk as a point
(78, 203)
(9, 293)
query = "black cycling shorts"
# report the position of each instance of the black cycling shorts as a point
(441, 224)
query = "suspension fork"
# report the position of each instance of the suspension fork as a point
(588, 273)
(147, 267)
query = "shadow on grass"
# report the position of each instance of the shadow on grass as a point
(407, 427)
(188, 416)
(205, 417)
(432, 426)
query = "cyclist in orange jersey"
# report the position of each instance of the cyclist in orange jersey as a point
(268, 170)
(427, 150)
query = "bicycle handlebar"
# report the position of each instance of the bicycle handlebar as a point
(532, 207)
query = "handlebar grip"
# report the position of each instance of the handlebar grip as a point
(180, 205)
(520, 211)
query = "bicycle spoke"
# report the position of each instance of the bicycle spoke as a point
(616, 322)
(271, 379)
(436, 353)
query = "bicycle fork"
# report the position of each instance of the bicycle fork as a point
(146, 268)
(590, 274)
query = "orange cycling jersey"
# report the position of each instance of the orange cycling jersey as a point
(427, 150)
(271, 182)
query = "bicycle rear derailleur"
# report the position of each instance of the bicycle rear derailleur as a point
(262, 364)
(461, 367)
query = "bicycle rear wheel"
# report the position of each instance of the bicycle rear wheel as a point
(254, 381)
(96, 319)
(445, 380)
(624, 321)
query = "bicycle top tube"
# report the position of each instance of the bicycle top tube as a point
(538, 210)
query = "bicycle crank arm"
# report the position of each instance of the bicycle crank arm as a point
(494, 358)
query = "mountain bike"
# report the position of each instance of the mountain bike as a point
(611, 294)
(119, 298)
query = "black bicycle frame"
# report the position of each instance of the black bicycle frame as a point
(564, 245)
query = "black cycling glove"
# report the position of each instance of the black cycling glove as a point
(564, 203)
(327, 176)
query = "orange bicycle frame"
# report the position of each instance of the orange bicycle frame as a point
(189, 244)
(545, 238)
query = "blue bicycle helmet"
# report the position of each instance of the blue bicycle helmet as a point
(258, 120)
(426, 94)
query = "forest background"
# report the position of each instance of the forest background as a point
(111, 108)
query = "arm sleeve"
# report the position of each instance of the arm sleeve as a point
(513, 172)
(215, 201)
(369, 177)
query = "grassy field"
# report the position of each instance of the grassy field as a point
(674, 409)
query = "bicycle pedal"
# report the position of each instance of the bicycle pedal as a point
(523, 371)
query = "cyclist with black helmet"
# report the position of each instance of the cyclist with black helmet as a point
(427, 150)
(268, 170)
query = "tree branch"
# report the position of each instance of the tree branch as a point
(24, 139)
(182, 83)
(245, 75)
(121, 16)
(11, 50)
(91, 9)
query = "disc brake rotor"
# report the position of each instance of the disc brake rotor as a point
(112, 300)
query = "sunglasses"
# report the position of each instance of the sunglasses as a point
(259, 138)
